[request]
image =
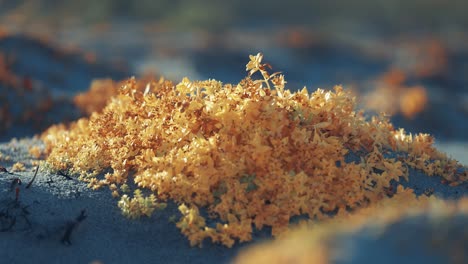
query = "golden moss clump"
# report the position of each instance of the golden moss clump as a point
(316, 243)
(18, 166)
(253, 154)
(97, 97)
(35, 152)
(139, 205)
(101, 91)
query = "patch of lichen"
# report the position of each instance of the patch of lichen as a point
(320, 242)
(253, 154)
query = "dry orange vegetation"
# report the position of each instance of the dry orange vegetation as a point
(413, 101)
(18, 166)
(97, 97)
(252, 154)
(392, 96)
(101, 91)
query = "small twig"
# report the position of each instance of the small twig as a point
(61, 173)
(4, 170)
(33, 178)
(66, 239)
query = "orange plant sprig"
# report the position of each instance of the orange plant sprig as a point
(255, 64)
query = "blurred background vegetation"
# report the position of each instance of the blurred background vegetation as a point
(390, 15)
(407, 58)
